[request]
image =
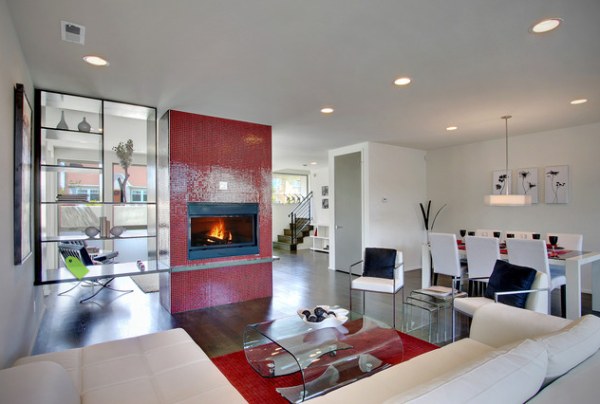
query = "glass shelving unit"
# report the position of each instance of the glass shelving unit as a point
(76, 184)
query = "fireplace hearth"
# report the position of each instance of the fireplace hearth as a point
(222, 229)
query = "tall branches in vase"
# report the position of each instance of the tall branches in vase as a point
(427, 215)
(124, 151)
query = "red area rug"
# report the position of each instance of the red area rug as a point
(258, 389)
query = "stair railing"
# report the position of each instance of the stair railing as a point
(300, 217)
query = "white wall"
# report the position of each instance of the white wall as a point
(460, 176)
(319, 178)
(20, 302)
(394, 182)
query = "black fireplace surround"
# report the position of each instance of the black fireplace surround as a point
(222, 229)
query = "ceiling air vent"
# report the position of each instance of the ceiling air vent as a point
(71, 32)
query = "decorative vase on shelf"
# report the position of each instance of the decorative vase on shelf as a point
(84, 126)
(62, 124)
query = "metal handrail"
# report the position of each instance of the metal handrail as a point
(302, 211)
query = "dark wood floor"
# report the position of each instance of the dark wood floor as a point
(299, 280)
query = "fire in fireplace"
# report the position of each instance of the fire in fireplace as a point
(222, 229)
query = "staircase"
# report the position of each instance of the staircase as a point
(300, 227)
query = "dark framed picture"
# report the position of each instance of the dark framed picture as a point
(23, 182)
(325, 190)
(325, 203)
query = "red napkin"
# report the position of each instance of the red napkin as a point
(556, 253)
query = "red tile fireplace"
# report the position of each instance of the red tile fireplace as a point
(224, 165)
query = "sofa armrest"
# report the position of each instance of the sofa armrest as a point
(497, 324)
(39, 382)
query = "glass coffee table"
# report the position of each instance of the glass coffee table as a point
(327, 357)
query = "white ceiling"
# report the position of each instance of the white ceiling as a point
(277, 62)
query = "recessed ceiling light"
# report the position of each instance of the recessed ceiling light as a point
(546, 25)
(579, 101)
(451, 128)
(95, 60)
(313, 163)
(327, 110)
(402, 81)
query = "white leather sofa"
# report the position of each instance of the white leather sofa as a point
(164, 367)
(511, 356)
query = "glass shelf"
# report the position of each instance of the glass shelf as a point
(70, 147)
(60, 275)
(56, 168)
(69, 220)
(127, 234)
(73, 131)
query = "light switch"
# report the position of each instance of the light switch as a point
(223, 185)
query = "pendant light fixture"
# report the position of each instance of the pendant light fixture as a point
(506, 198)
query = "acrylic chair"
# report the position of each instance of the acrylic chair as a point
(534, 254)
(382, 272)
(482, 254)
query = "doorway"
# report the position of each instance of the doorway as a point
(348, 210)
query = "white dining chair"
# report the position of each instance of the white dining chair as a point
(482, 253)
(568, 241)
(446, 261)
(521, 235)
(537, 298)
(486, 232)
(534, 254)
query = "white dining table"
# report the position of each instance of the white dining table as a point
(572, 261)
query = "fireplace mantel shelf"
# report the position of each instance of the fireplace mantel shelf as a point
(223, 264)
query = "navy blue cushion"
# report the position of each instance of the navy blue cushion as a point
(379, 262)
(507, 277)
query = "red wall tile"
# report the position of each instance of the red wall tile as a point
(203, 152)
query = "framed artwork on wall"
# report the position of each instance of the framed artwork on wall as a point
(23, 179)
(325, 190)
(527, 183)
(325, 203)
(501, 181)
(557, 184)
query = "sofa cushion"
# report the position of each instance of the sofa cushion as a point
(572, 345)
(508, 277)
(39, 382)
(579, 385)
(379, 262)
(404, 376)
(504, 376)
(164, 367)
(497, 324)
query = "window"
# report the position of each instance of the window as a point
(79, 182)
(136, 189)
(138, 195)
(289, 188)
